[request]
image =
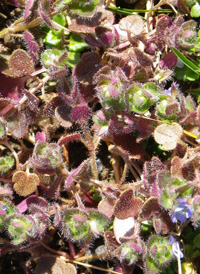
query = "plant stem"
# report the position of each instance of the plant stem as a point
(130, 11)
(61, 253)
(20, 25)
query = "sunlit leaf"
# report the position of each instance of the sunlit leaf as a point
(168, 135)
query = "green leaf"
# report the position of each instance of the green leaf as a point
(76, 43)
(60, 19)
(195, 91)
(195, 10)
(6, 163)
(186, 61)
(73, 58)
(53, 39)
(6, 209)
(61, 4)
(196, 241)
(185, 74)
(83, 8)
(98, 222)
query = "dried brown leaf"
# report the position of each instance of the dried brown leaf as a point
(25, 184)
(133, 24)
(168, 135)
(50, 265)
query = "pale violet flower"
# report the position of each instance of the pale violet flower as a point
(177, 252)
(182, 212)
(176, 248)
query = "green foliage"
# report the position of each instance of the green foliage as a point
(98, 222)
(76, 43)
(185, 74)
(47, 155)
(6, 163)
(83, 8)
(195, 10)
(59, 5)
(20, 228)
(73, 58)
(80, 226)
(2, 130)
(55, 38)
(186, 61)
(160, 250)
(54, 57)
(6, 209)
(76, 225)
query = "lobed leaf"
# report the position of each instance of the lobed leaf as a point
(25, 184)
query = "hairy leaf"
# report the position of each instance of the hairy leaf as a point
(25, 184)
(20, 63)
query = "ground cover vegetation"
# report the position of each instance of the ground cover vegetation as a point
(99, 136)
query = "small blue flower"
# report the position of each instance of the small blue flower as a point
(182, 212)
(168, 91)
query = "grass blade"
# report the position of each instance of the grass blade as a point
(186, 61)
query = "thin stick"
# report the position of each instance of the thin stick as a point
(91, 266)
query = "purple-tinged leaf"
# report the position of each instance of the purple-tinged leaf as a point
(28, 8)
(80, 112)
(54, 190)
(5, 191)
(163, 24)
(17, 124)
(108, 38)
(155, 190)
(43, 11)
(49, 109)
(41, 136)
(106, 206)
(168, 61)
(126, 143)
(74, 173)
(11, 88)
(28, 37)
(87, 67)
(23, 206)
(102, 17)
(15, 3)
(167, 225)
(33, 47)
(69, 138)
(20, 64)
(92, 41)
(88, 92)
(142, 58)
(127, 205)
(62, 113)
(150, 208)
